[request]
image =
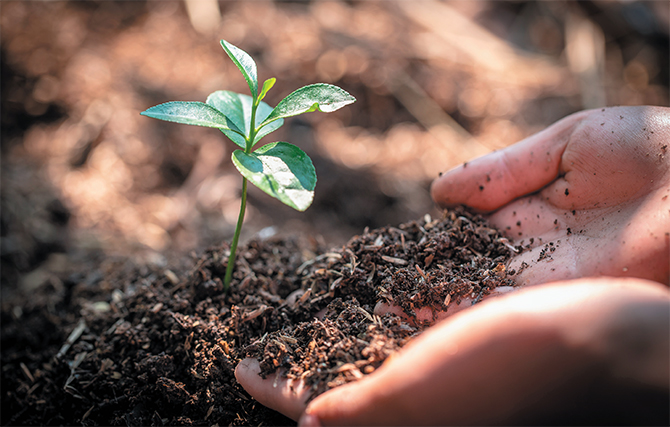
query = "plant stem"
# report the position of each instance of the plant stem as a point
(252, 128)
(243, 205)
(233, 246)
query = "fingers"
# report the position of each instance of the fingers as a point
(428, 315)
(288, 397)
(616, 155)
(422, 315)
(281, 394)
(613, 154)
(496, 179)
(529, 352)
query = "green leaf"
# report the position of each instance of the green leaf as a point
(237, 107)
(192, 113)
(267, 85)
(282, 170)
(320, 96)
(245, 64)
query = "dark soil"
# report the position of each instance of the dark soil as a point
(105, 321)
(153, 344)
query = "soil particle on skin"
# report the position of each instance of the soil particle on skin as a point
(546, 252)
(158, 346)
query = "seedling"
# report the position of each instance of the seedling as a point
(280, 169)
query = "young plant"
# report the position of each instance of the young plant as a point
(280, 169)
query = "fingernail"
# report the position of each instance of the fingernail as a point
(308, 420)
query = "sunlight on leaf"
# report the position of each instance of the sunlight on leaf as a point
(267, 85)
(281, 170)
(321, 96)
(245, 64)
(192, 113)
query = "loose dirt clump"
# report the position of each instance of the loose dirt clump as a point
(140, 345)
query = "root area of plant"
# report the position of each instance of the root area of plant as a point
(128, 344)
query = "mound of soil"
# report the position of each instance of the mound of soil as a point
(154, 344)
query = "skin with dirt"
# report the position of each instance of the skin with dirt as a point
(92, 338)
(160, 344)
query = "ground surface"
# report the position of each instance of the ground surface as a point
(112, 306)
(164, 349)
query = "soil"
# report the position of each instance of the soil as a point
(106, 320)
(129, 344)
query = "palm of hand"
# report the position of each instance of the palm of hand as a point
(587, 197)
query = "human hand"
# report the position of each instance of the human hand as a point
(532, 356)
(588, 196)
(591, 191)
(595, 188)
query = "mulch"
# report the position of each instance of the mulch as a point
(131, 344)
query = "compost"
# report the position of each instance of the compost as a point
(129, 344)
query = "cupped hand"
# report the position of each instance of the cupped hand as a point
(589, 195)
(532, 356)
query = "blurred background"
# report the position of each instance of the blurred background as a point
(84, 176)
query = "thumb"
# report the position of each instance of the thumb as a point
(276, 392)
(496, 179)
(350, 404)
